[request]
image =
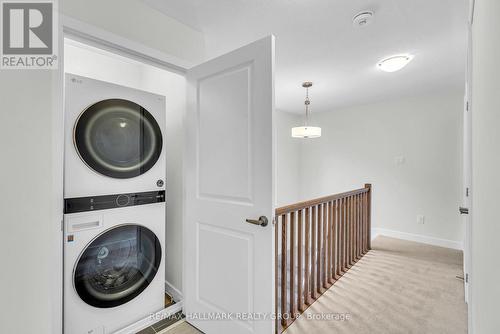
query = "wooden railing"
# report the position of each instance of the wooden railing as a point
(317, 241)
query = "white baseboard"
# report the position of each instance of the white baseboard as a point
(417, 238)
(151, 319)
(175, 293)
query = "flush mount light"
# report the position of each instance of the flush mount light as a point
(306, 131)
(394, 63)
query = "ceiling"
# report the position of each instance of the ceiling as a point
(316, 41)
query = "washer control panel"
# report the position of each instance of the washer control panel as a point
(93, 203)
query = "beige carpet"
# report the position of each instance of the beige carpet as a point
(399, 287)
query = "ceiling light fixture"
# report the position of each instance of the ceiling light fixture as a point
(306, 131)
(394, 63)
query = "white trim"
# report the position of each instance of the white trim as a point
(57, 195)
(173, 292)
(472, 4)
(151, 319)
(89, 34)
(469, 220)
(417, 238)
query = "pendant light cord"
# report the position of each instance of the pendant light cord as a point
(307, 102)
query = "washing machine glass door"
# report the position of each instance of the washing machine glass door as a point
(117, 266)
(118, 138)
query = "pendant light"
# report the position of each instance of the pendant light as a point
(306, 131)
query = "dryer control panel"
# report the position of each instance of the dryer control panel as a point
(93, 203)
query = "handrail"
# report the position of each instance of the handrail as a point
(305, 204)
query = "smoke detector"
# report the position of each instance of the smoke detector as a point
(363, 19)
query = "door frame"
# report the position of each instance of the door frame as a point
(468, 186)
(102, 39)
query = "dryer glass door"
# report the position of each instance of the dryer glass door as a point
(118, 138)
(117, 266)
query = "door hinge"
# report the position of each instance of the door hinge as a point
(467, 105)
(466, 278)
(467, 192)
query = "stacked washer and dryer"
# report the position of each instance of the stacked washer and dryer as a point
(114, 196)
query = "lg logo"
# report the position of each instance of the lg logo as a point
(28, 34)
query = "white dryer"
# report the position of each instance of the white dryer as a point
(113, 261)
(114, 139)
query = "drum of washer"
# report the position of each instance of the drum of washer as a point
(117, 266)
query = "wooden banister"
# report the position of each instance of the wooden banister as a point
(307, 204)
(316, 242)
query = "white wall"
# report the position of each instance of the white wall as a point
(102, 65)
(361, 144)
(485, 168)
(136, 21)
(287, 175)
(30, 241)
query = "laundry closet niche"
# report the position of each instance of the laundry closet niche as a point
(88, 61)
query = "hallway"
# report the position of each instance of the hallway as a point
(398, 287)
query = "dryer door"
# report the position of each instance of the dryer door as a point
(118, 138)
(117, 266)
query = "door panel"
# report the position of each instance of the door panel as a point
(229, 263)
(213, 261)
(216, 112)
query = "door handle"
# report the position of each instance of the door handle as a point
(463, 211)
(262, 221)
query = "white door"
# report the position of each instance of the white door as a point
(229, 262)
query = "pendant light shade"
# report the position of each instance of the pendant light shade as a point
(306, 131)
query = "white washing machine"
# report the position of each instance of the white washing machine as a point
(114, 139)
(114, 262)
